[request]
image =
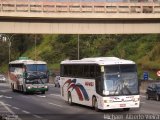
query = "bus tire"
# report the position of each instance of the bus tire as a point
(43, 92)
(95, 104)
(70, 98)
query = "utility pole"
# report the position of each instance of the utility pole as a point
(35, 47)
(78, 46)
(7, 38)
(9, 52)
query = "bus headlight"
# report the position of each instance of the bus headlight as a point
(46, 87)
(108, 101)
(29, 87)
(136, 99)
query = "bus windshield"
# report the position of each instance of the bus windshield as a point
(36, 81)
(36, 67)
(121, 79)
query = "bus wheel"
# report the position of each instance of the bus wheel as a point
(43, 92)
(126, 109)
(69, 99)
(95, 104)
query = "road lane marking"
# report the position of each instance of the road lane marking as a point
(8, 97)
(4, 91)
(55, 104)
(8, 105)
(25, 112)
(37, 116)
(5, 106)
(16, 108)
(56, 95)
(10, 111)
(1, 96)
(43, 96)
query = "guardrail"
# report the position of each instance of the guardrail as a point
(78, 7)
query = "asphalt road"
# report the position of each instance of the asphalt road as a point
(51, 106)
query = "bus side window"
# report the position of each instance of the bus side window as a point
(99, 85)
(62, 71)
(92, 71)
(11, 69)
(74, 70)
(87, 71)
(97, 71)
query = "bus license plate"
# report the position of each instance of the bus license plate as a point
(122, 105)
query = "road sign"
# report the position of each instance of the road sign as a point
(158, 73)
(145, 75)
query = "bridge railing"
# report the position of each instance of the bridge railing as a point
(79, 7)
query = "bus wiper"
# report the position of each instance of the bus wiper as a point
(120, 89)
(116, 89)
(125, 87)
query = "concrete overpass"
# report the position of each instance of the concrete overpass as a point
(29, 17)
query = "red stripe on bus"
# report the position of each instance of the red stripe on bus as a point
(79, 93)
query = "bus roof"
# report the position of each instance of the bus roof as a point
(27, 62)
(99, 61)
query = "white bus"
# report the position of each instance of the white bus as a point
(102, 82)
(28, 76)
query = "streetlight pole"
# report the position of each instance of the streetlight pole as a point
(9, 51)
(9, 45)
(35, 43)
(78, 47)
(8, 38)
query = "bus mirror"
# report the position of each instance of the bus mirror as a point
(102, 68)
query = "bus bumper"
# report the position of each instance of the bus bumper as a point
(120, 105)
(105, 104)
(32, 90)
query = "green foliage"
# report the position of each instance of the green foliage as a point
(143, 49)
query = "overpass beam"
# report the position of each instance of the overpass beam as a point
(79, 28)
